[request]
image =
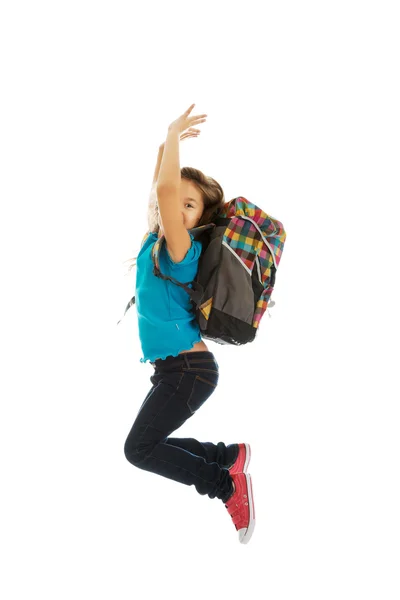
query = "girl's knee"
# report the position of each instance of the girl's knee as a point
(135, 452)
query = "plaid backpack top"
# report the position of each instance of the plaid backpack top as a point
(241, 252)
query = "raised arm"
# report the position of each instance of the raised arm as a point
(168, 189)
(159, 159)
(152, 213)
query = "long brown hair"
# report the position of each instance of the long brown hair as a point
(212, 196)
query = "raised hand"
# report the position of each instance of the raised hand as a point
(191, 132)
(185, 121)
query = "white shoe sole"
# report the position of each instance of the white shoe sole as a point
(248, 456)
(246, 533)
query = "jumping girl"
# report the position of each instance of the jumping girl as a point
(185, 372)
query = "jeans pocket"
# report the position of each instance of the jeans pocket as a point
(202, 389)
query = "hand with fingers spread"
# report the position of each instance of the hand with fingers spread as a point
(191, 132)
(186, 122)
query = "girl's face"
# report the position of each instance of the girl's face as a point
(191, 205)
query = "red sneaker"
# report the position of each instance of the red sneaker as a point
(241, 506)
(242, 461)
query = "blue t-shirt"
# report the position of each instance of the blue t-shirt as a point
(167, 324)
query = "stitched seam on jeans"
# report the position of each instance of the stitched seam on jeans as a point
(178, 467)
(194, 369)
(200, 360)
(190, 397)
(162, 408)
(197, 378)
(214, 385)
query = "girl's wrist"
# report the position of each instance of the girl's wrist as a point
(173, 130)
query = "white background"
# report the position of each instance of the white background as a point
(303, 120)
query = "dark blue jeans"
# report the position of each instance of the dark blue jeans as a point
(181, 385)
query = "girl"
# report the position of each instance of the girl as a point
(185, 372)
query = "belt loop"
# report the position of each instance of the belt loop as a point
(186, 360)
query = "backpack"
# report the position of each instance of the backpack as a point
(242, 248)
